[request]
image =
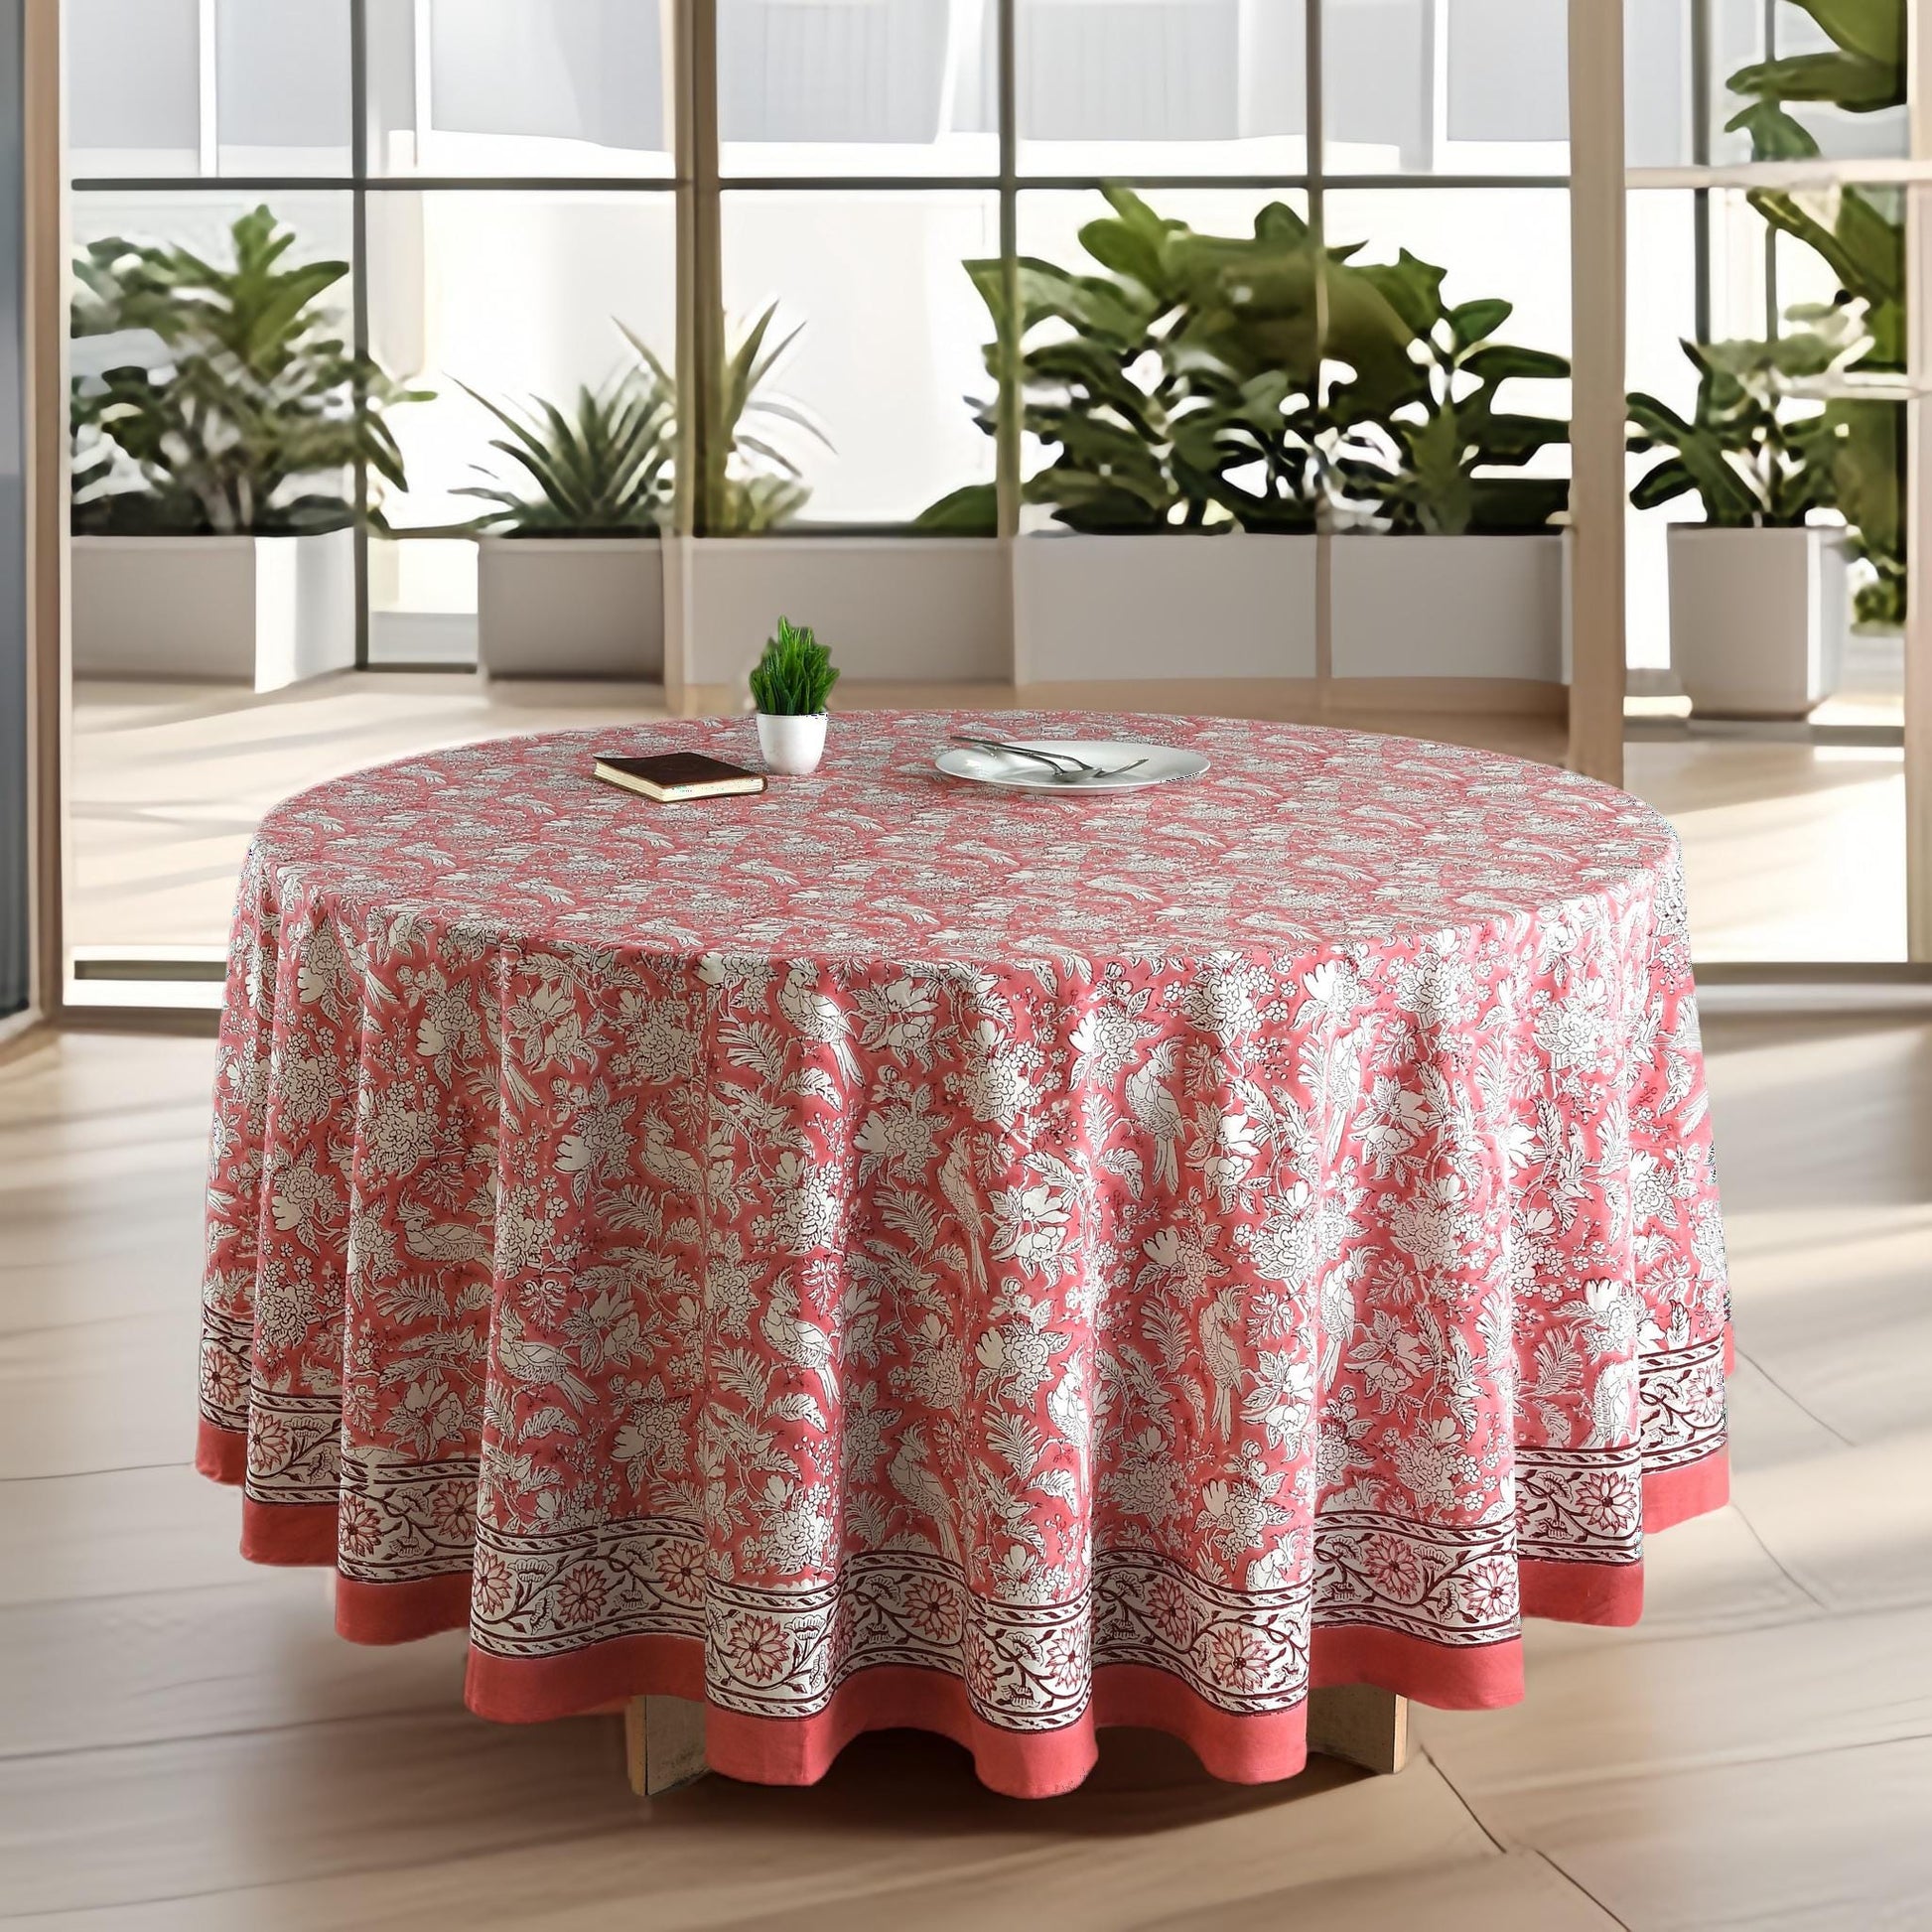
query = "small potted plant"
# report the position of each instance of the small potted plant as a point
(1758, 599)
(790, 685)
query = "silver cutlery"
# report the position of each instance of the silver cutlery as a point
(1056, 762)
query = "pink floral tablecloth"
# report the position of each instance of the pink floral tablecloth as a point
(892, 1252)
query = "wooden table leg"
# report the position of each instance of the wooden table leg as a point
(1360, 1725)
(663, 1743)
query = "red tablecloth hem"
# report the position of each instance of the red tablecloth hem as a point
(1239, 1748)
(221, 1454)
(1243, 1749)
(400, 1612)
(1676, 1495)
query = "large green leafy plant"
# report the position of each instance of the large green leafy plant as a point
(250, 412)
(1749, 455)
(1201, 381)
(1429, 464)
(1859, 231)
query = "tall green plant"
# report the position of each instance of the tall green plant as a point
(1859, 233)
(256, 398)
(607, 464)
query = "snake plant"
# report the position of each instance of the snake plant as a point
(602, 469)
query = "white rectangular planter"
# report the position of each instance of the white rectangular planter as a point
(1757, 618)
(907, 610)
(1117, 608)
(570, 607)
(263, 612)
(1489, 607)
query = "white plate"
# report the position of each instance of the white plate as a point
(1162, 765)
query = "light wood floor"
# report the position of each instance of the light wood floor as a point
(1793, 852)
(184, 1745)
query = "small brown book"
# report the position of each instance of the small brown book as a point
(677, 775)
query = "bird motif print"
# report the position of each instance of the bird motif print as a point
(1150, 1100)
(818, 1018)
(1220, 1342)
(802, 1343)
(538, 1366)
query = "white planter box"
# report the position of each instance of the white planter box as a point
(1448, 607)
(264, 612)
(1117, 608)
(570, 607)
(907, 610)
(1757, 618)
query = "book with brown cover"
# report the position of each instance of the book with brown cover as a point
(672, 776)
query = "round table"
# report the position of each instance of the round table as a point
(888, 1251)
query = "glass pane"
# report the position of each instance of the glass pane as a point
(1659, 111)
(880, 87)
(523, 298)
(1162, 87)
(886, 336)
(1803, 88)
(1480, 86)
(1660, 231)
(282, 86)
(509, 87)
(133, 77)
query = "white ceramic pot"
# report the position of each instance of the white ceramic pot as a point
(793, 746)
(1757, 618)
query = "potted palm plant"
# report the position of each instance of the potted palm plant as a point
(1758, 599)
(569, 571)
(1475, 584)
(215, 419)
(791, 684)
